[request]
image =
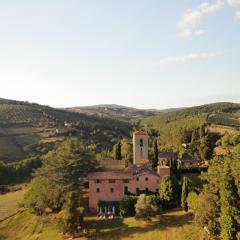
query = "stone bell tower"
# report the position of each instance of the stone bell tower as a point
(140, 146)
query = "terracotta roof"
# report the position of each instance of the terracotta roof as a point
(140, 133)
(143, 162)
(164, 167)
(107, 161)
(109, 175)
(143, 171)
(166, 154)
(188, 160)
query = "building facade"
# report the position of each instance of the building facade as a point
(114, 185)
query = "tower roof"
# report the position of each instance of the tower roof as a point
(140, 133)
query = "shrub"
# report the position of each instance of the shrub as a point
(169, 191)
(146, 207)
(127, 206)
(193, 201)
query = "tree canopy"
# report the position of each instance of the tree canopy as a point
(63, 171)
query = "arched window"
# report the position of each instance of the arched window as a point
(141, 142)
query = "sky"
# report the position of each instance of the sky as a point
(138, 53)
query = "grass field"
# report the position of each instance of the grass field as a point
(222, 129)
(9, 202)
(172, 225)
(26, 226)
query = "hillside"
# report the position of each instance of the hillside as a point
(170, 125)
(27, 129)
(120, 112)
(115, 111)
(30, 129)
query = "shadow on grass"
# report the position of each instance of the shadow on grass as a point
(169, 220)
(2, 237)
(117, 228)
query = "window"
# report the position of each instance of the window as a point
(98, 190)
(141, 142)
(146, 179)
(125, 180)
(125, 190)
(111, 190)
(97, 181)
(111, 180)
(146, 190)
(137, 190)
(137, 179)
(157, 190)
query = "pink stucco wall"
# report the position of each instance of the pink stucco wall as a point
(140, 182)
(105, 194)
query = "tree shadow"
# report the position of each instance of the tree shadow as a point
(117, 228)
(169, 220)
(2, 237)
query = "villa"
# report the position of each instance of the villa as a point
(119, 179)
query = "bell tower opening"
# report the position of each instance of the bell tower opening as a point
(140, 146)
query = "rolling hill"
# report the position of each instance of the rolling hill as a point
(115, 111)
(28, 129)
(169, 125)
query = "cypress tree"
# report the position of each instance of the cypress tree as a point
(202, 131)
(185, 191)
(230, 202)
(118, 151)
(155, 158)
(174, 167)
(166, 192)
(193, 137)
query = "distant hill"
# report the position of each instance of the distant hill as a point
(27, 129)
(118, 111)
(30, 129)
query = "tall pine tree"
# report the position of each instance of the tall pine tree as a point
(63, 171)
(230, 204)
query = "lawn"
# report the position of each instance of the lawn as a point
(172, 225)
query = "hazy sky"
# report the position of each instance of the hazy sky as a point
(140, 53)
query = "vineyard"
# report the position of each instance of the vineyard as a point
(226, 119)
